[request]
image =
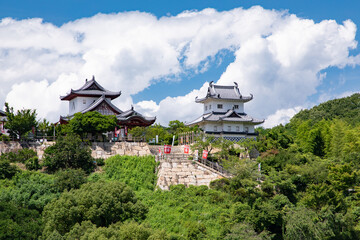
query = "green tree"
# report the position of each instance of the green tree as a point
(244, 231)
(32, 190)
(45, 128)
(302, 223)
(6, 169)
(92, 122)
(20, 123)
(68, 179)
(19, 223)
(68, 152)
(102, 203)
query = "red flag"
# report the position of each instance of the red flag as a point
(167, 149)
(205, 154)
(186, 149)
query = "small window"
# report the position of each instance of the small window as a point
(215, 128)
(219, 106)
(236, 106)
(237, 128)
(229, 128)
(84, 101)
(246, 129)
(205, 108)
(73, 105)
(209, 107)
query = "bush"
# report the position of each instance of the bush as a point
(102, 203)
(25, 154)
(68, 152)
(6, 169)
(69, 179)
(32, 164)
(20, 156)
(100, 161)
(5, 138)
(137, 172)
(30, 189)
(19, 223)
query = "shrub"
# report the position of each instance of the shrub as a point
(100, 161)
(69, 179)
(102, 203)
(30, 189)
(32, 164)
(6, 169)
(68, 152)
(137, 172)
(5, 138)
(19, 223)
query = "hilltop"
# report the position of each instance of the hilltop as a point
(346, 109)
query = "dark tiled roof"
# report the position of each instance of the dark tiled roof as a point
(224, 92)
(2, 113)
(132, 113)
(102, 99)
(229, 116)
(91, 88)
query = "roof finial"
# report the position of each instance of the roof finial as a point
(236, 84)
(211, 83)
(86, 80)
(132, 107)
(93, 78)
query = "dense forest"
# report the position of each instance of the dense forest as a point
(304, 185)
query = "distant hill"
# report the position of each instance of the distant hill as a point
(346, 109)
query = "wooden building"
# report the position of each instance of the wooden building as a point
(224, 114)
(93, 97)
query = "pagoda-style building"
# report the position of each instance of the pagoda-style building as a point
(224, 114)
(93, 97)
(2, 122)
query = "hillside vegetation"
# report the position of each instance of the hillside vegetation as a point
(308, 188)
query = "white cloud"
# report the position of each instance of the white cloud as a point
(174, 108)
(281, 116)
(278, 58)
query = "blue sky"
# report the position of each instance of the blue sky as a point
(335, 81)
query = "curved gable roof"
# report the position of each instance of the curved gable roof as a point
(91, 89)
(224, 92)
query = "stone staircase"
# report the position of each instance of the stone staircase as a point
(176, 168)
(185, 172)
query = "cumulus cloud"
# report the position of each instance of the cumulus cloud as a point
(171, 108)
(278, 58)
(281, 116)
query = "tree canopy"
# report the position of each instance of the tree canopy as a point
(21, 122)
(68, 152)
(92, 122)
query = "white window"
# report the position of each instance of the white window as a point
(229, 128)
(237, 128)
(215, 128)
(84, 101)
(219, 106)
(236, 106)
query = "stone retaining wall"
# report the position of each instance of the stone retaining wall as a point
(107, 149)
(99, 149)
